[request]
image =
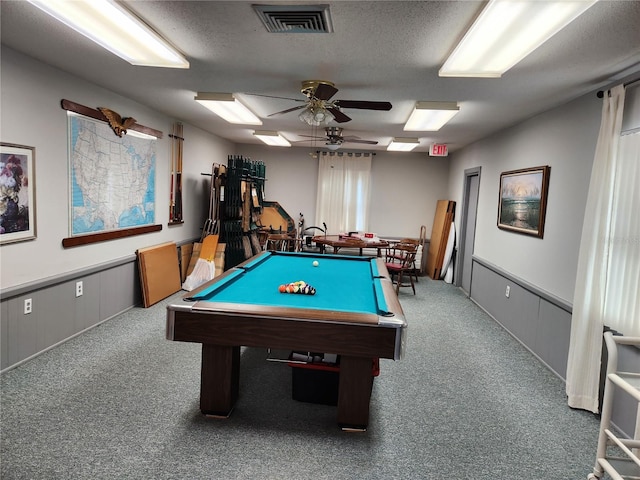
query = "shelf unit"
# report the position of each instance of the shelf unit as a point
(624, 464)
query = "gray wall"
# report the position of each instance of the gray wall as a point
(563, 138)
(109, 289)
(31, 115)
(44, 271)
(541, 273)
(405, 188)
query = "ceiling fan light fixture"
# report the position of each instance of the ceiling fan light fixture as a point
(333, 146)
(403, 144)
(228, 107)
(319, 116)
(505, 32)
(316, 117)
(116, 29)
(272, 138)
(431, 116)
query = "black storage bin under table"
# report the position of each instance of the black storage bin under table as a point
(318, 382)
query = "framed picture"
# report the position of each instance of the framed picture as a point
(17, 193)
(522, 201)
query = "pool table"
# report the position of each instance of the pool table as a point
(354, 313)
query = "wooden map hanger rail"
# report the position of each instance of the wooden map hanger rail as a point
(113, 234)
(98, 115)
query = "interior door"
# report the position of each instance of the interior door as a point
(468, 228)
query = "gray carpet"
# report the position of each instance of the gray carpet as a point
(466, 402)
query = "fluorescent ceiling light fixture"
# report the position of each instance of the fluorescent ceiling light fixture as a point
(228, 107)
(272, 138)
(116, 29)
(507, 31)
(403, 144)
(431, 116)
(135, 133)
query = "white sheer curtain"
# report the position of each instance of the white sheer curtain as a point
(622, 300)
(343, 193)
(594, 261)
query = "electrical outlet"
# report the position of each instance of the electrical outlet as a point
(78, 289)
(28, 306)
(507, 292)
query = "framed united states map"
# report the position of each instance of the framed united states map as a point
(112, 179)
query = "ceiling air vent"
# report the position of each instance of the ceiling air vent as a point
(295, 18)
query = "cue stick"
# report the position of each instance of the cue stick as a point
(173, 170)
(178, 194)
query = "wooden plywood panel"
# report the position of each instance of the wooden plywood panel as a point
(185, 258)
(445, 210)
(195, 254)
(219, 260)
(159, 272)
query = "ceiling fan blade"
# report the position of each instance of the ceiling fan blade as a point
(288, 110)
(311, 136)
(275, 96)
(364, 105)
(368, 142)
(338, 116)
(324, 91)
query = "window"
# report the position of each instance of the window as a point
(343, 192)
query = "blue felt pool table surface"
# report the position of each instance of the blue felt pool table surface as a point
(342, 283)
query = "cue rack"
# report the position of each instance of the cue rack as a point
(175, 198)
(241, 208)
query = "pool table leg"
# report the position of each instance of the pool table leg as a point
(219, 379)
(354, 392)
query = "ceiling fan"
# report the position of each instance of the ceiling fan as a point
(334, 138)
(319, 109)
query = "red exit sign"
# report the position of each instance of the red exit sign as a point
(438, 150)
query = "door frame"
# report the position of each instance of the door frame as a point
(468, 173)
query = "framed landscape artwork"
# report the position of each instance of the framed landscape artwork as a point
(522, 201)
(17, 193)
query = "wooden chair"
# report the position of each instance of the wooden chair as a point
(399, 261)
(412, 241)
(281, 242)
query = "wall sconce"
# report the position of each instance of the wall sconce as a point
(431, 116)
(228, 107)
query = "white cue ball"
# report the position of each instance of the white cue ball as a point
(315, 263)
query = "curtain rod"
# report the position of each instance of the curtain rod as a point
(348, 154)
(600, 93)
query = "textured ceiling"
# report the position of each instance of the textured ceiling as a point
(378, 51)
